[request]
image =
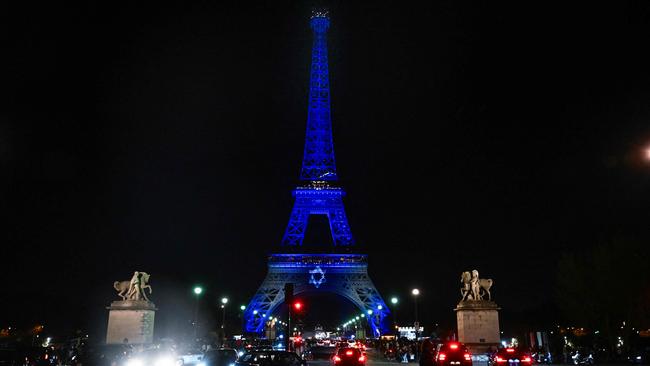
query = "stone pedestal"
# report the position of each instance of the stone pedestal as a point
(478, 325)
(130, 322)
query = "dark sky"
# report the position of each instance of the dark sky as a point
(167, 138)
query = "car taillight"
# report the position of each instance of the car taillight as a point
(442, 356)
(467, 356)
(499, 359)
(362, 358)
(337, 359)
(348, 353)
(526, 359)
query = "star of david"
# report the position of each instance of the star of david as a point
(319, 273)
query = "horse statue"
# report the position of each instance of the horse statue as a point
(465, 279)
(134, 289)
(474, 288)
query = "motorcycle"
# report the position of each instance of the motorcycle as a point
(390, 354)
(585, 358)
(542, 358)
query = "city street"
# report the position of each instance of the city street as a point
(226, 183)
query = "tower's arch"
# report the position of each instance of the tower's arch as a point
(345, 275)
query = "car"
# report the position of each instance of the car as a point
(154, 357)
(219, 357)
(510, 357)
(100, 355)
(452, 353)
(349, 356)
(270, 358)
(640, 356)
(319, 353)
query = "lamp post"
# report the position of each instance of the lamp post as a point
(394, 300)
(198, 290)
(415, 292)
(243, 322)
(224, 301)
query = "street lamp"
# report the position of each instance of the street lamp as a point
(198, 290)
(243, 318)
(224, 301)
(415, 292)
(394, 300)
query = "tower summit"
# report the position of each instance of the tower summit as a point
(318, 162)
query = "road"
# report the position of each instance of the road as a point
(374, 359)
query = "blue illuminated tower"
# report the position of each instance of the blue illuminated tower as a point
(342, 274)
(318, 163)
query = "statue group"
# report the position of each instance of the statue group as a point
(134, 289)
(474, 288)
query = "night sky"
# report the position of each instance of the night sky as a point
(167, 139)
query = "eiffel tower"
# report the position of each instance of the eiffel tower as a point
(342, 274)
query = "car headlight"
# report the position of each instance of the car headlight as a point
(134, 362)
(165, 361)
(638, 357)
(231, 364)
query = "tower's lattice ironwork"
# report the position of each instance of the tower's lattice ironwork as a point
(342, 274)
(318, 162)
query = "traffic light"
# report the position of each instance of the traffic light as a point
(297, 306)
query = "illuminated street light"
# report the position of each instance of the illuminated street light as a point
(198, 290)
(363, 315)
(394, 300)
(224, 301)
(242, 308)
(369, 311)
(415, 292)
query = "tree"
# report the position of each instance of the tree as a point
(605, 287)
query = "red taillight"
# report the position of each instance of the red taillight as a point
(499, 359)
(362, 358)
(442, 356)
(526, 359)
(453, 346)
(349, 353)
(337, 359)
(467, 356)
(510, 350)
